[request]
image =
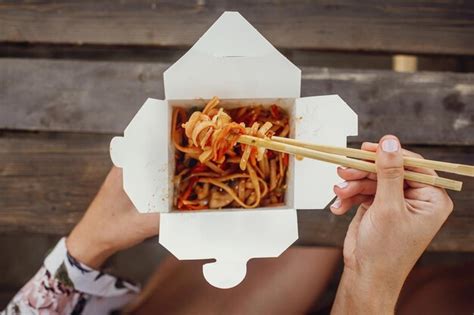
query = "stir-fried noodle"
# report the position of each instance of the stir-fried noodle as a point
(214, 171)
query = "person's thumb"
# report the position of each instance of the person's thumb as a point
(390, 171)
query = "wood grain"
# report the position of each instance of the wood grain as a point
(75, 95)
(100, 96)
(422, 26)
(48, 179)
(301, 57)
(422, 108)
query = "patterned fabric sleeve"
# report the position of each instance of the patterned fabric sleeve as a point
(65, 286)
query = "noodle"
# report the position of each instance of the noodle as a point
(213, 170)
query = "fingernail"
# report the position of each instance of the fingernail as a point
(336, 204)
(390, 145)
(342, 184)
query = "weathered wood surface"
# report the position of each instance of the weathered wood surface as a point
(422, 26)
(48, 179)
(100, 96)
(301, 57)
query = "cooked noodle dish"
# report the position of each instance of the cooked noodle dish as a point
(214, 171)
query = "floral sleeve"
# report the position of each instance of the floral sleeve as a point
(65, 286)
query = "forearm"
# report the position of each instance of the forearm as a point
(94, 239)
(359, 294)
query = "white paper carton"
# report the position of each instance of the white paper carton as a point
(237, 64)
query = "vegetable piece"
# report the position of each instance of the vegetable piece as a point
(219, 200)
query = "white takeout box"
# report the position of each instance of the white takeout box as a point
(236, 63)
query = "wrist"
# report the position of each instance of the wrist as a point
(365, 293)
(88, 252)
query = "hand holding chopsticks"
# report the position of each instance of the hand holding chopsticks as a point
(366, 155)
(345, 157)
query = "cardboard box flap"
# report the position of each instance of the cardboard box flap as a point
(325, 120)
(142, 153)
(232, 238)
(232, 60)
(233, 36)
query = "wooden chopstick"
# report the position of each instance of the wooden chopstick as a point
(347, 162)
(454, 168)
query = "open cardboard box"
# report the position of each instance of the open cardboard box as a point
(236, 63)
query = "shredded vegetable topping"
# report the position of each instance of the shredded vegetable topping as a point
(214, 171)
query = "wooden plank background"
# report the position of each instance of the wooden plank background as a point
(80, 96)
(65, 66)
(422, 26)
